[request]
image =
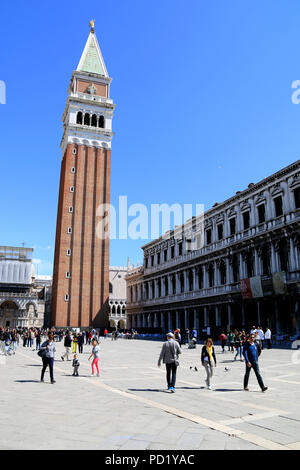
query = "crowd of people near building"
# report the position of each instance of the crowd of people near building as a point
(247, 347)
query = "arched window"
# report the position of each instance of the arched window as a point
(86, 119)
(101, 121)
(94, 120)
(110, 288)
(79, 118)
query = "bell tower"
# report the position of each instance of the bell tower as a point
(81, 260)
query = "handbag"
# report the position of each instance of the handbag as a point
(42, 353)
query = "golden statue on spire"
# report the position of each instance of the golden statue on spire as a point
(92, 24)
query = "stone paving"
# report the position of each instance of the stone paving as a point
(128, 407)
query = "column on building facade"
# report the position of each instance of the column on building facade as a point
(133, 320)
(293, 252)
(218, 316)
(155, 322)
(169, 321)
(274, 256)
(156, 288)
(144, 321)
(177, 277)
(170, 287)
(257, 268)
(186, 318)
(297, 313)
(228, 271)
(258, 313)
(205, 276)
(149, 320)
(177, 319)
(139, 320)
(186, 280)
(216, 274)
(277, 317)
(196, 320)
(150, 290)
(229, 309)
(195, 280)
(162, 322)
(163, 286)
(242, 270)
(243, 315)
(129, 324)
(205, 316)
(297, 251)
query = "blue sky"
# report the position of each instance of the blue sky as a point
(203, 94)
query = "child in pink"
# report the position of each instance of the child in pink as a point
(96, 355)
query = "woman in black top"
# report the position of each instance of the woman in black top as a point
(207, 358)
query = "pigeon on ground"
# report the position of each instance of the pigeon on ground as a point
(196, 369)
(227, 370)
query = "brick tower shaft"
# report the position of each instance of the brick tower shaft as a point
(81, 260)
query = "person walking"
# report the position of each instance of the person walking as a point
(223, 339)
(75, 343)
(261, 336)
(14, 341)
(7, 341)
(251, 353)
(67, 345)
(207, 357)
(231, 341)
(80, 340)
(169, 355)
(75, 365)
(268, 336)
(238, 344)
(96, 355)
(48, 358)
(25, 338)
(37, 340)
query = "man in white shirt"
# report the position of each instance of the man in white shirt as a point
(261, 336)
(268, 336)
(253, 331)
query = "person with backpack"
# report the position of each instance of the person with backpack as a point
(169, 356)
(251, 352)
(207, 357)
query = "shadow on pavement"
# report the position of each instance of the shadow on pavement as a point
(228, 389)
(27, 381)
(147, 390)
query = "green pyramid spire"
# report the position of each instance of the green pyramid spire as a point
(91, 59)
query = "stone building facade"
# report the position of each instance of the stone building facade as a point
(20, 302)
(117, 297)
(237, 266)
